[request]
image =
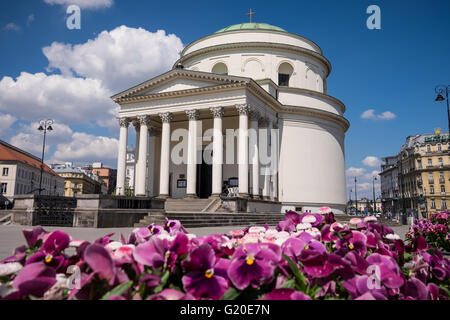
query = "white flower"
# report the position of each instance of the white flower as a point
(271, 232)
(75, 243)
(309, 219)
(114, 245)
(282, 235)
(334, 225)
(9, 268)
(304, 226)
(257, 230)
(370, 218)
(355, 221)
(167, 236)
(393, 236)
(191, 236)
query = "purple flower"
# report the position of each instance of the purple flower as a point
(253, 264)
(34, 280)
(100, 261)
(171, 294)
(415, 289)
(157, 253)
(56, 242)
(205, 277)
(33, 235)
(286, 294)
(356, 242)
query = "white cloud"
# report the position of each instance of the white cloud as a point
(120, 58)
(370, 114)
(66, 99)
(11, 27)
(30, 139)
(355, 172)
(6, 121)
(85, 4)
(372, 162)
(87, 148)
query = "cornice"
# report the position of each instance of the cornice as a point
(256, 45)
(316, 113)
(313, 93)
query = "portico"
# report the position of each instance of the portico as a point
(164, 156)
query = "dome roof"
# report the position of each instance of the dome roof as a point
(250, 26)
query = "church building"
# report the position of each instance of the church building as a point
(252, 100)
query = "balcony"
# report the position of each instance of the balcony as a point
(430, 181)
(441, 180)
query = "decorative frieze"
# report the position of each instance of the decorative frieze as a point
(124, 122)
(166, 117)
(193, 114)
(217, 112)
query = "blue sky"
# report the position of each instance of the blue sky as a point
(394, 69)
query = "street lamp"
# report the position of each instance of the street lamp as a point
(356, 198)
(440, 90)
(374, 200)
(44, 125)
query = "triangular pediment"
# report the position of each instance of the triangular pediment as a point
(178, 80)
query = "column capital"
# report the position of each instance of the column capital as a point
(243, 109)
(166, 117)
(217, 112)
(136, 124)
(124, 122)
(254, 115)
(193, 114)
(144, 120)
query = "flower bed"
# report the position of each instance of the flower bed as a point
(435, 231)
(308, 256)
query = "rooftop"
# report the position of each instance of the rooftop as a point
(9, 152)
(250, 26)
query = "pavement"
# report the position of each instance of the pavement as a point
(11, 237)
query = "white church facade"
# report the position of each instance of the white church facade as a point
(244, 79)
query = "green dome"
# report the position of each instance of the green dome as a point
(250, 26)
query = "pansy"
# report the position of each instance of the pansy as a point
(253, 264)
(206, 276)
(286, 294)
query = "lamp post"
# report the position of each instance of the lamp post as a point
(356, 198)
(440, 90)
(44, 125)
(374, 200)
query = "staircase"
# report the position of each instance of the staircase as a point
(199, 219)
(5, 219)
(187, 205)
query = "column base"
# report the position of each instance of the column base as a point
(244, 195)
(191, 196)
(163, 196)
(266, 198)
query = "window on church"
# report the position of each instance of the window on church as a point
(285, 72)
(220, 68)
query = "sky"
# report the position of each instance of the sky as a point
(386, 78)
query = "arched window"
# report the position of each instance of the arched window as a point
(285, 72)
(220, 68)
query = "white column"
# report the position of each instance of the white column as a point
(137, 128)
(243, 110)
(191, 176)
(275, 155)
(166, 118)
(122, 157)
(154, 133)
(254, 151)
(264, 123)
(217, 113)
(141, 174)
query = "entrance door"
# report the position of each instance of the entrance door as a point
(204, 180)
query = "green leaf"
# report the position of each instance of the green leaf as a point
(447, 291)
(118, 291)
(290, 284)
(231, 294)
(301, 280)
(164, 280)
(313, 291)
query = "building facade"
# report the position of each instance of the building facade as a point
(130, 169)
(423, 167)
(20, 173)
(389, 184)
(79, 181)
(108, 175)
(244, 79)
